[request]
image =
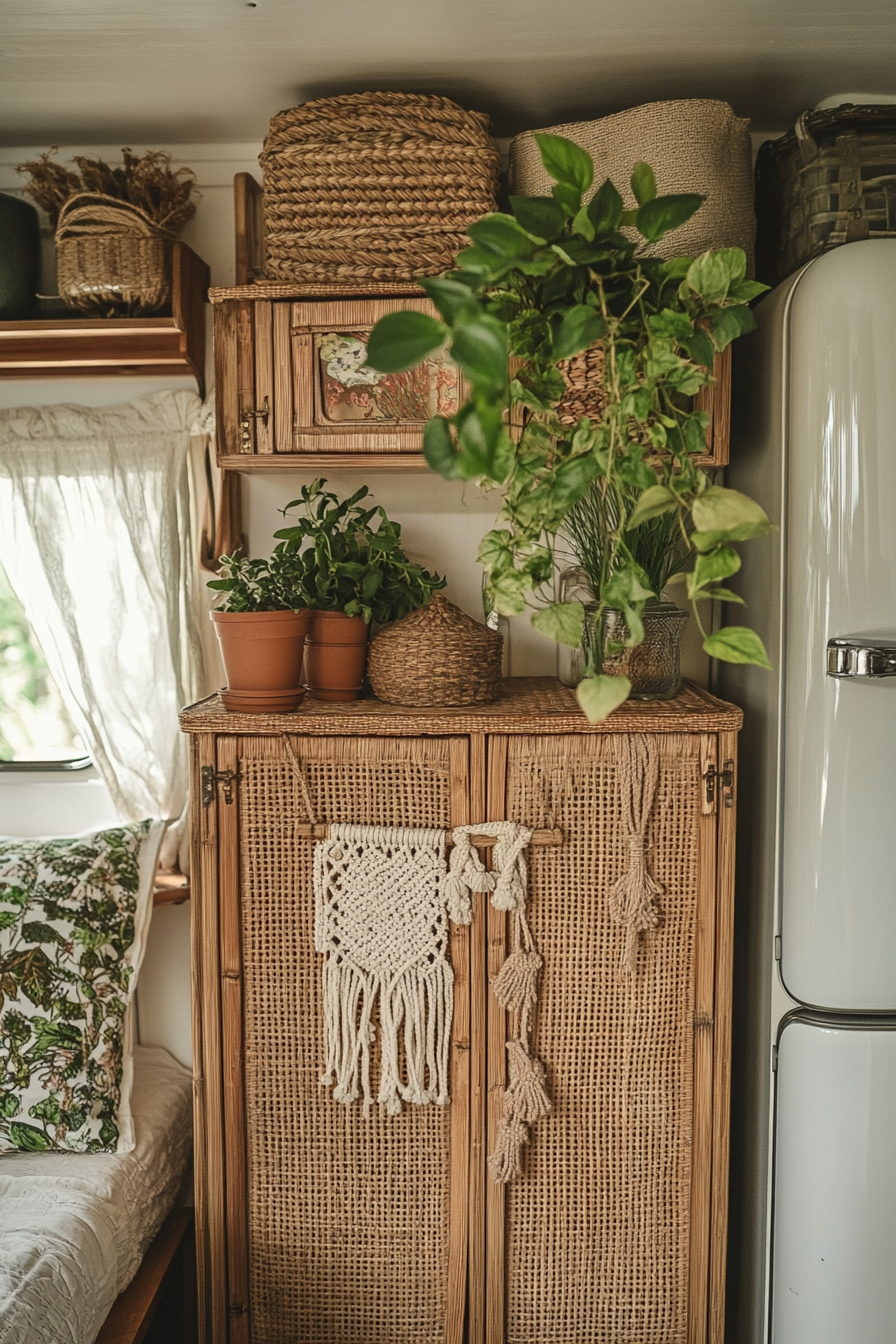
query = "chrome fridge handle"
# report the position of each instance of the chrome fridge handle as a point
(861, 658)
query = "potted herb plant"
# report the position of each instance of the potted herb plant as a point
(536, 288)
(261, 625)
(354, 573)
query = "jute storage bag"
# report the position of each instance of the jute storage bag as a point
(692, 144)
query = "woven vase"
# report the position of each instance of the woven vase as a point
(374, 186)
(111, 257)
(436, 656)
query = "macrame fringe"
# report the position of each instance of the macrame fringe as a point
(516, 984)
(632, 899)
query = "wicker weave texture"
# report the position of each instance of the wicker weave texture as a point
(597, 1230)
(110, 257)
(436, 656)
(348, 1219)
(377, 186)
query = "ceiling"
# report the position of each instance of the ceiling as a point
(101, 71)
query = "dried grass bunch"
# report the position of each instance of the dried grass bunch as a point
(148, 181)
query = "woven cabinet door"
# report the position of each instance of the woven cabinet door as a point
(605, 1237)
(341, 1229)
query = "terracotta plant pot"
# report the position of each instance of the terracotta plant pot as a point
(262, 650)
(335, 656)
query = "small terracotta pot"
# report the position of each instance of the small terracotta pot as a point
(262, 650)
(334, 671)
(334, 627)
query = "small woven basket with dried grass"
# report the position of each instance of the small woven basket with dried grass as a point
(111, 257)
(436, 656)
(374, 186)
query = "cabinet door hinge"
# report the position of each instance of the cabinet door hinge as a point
(721, 780)
(209, 777)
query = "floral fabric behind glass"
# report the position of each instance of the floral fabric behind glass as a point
(352, 391)
(69, 920)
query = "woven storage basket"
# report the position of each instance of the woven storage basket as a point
(829, 181)
(374, 186)
(436, 656)
(692, 144)
(110, 256)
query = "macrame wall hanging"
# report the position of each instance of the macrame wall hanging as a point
(633, 896)
(381, 923)
(516, 984)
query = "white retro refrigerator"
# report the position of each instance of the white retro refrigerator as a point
(813, 1245)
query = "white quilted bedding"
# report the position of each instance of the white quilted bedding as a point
(75, 1226)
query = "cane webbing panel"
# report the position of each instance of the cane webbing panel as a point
(348, 1219)
(597, 1228)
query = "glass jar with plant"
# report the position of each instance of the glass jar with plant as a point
(354, 573)
(538, 287)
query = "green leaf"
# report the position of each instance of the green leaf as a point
(663, 214)
(582, 224)
(568, 198)
(722, 595)
(502, 235)
(653, 503)
(605, 209)
(28, 1137)
(708, 277)
(720, 509)
(580, 328)
(700, 348)
(737, 644)
(643, 183)
(480, 348)
(729, 323)
(572, 479)
(452, 298)
(540, 216)
(718, 564)
(565, 161)
(599, 696)
(745, 291)
(439, 450)
(735, 258)
(562, 622)
(37, 932)
(401, 340)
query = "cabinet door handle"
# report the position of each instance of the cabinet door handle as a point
(262, 415)
(861, 657)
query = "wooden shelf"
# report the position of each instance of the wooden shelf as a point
(125, 347)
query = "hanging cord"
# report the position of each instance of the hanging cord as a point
(516, 984)
(302, 779)
(632, 898)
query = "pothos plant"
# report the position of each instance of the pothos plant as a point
(537, 287)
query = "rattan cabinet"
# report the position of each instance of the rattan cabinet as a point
(316, 1226)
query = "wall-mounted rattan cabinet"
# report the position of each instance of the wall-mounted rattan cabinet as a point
(316, 1226)
(291, 388)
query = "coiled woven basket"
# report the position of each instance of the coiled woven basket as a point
(436, 656)
(111, 257)
(374, 186)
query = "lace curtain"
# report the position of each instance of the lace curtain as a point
(98, 512)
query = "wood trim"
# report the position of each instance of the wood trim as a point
(704, 1041)
(264, 378)
(716, 401)
(189, 294)
(478, 1091)
(727, 821)
(227, 412)
(231, 972)
(245, 378)
(283, 378)
(248, 462)
(248, 227)
(459, 767)
(496, 1068)
(208, 1152)
(133, 1310)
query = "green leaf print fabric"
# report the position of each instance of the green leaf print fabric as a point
(73, 916)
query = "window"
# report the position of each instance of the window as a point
(35, 728)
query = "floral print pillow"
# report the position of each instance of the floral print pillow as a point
(73, 915)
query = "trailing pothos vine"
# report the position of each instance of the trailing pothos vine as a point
(536, 288)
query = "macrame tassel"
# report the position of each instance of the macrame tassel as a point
(632, 897)
(504, 1162)
(526, 1096)
(516, 984)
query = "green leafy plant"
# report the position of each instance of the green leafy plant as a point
(536, 288)
(277, 584)
(351, 557)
